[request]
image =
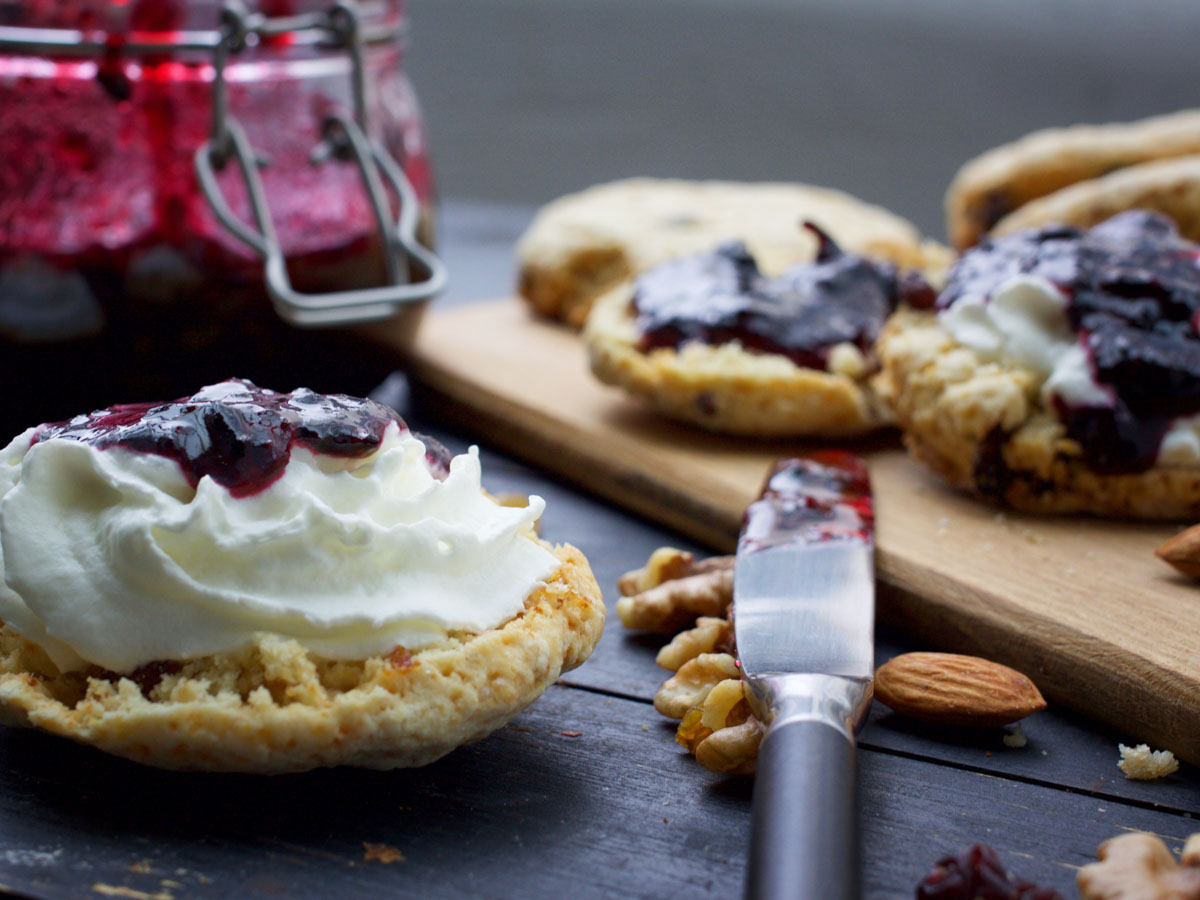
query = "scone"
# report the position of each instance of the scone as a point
(1060, 371)
(1168, 186)
(710, 339)
(1004, 179)
(249, 581)
(582, 245)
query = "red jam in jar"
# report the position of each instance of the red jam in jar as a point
(116, 278)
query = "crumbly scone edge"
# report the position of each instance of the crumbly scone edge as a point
(981, 425)
(725, 388)
(274, 707)
(1011, 175)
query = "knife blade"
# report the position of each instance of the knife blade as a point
(803, 618)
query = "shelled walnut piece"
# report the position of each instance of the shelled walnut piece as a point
(1140, 867)
(673, 590)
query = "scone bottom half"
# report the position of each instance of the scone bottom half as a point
(1060, 371)
(710, 339)
(273, 703)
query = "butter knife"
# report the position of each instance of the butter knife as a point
(804, 615)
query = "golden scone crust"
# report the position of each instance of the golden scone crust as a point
(1005, 178)
(581, 245)
(274, 707)
(725, 388)
(982, 426)
(1168, 186)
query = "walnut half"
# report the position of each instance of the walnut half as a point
(1140, 867)
(710, 635)
(721, 732)
(673, 590)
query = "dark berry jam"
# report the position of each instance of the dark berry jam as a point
(1133, 289)
(978, 874)
(239, 434)
(819, 497)
(719, 297)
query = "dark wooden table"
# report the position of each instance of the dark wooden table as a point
(586, 794)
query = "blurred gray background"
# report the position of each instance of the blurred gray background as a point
(529, 99)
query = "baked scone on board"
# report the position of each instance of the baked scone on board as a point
(991, 186)
(1059, 371)
(1167, 186)
(250, 581)
(712, 340)
(582, 245)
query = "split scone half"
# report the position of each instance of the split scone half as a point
(1059, 371)
(1167, 186)
(711, 339)
(257, 582)
(582, 245)
(992, 190)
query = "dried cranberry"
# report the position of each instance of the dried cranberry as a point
(721, 296)
(978, 874)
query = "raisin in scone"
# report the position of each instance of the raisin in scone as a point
(710, 339)
(1059, 371)
(993, 185)
(582, 245)
(249, 581)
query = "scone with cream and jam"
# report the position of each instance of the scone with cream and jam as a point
(1059, 370)
(244, 580)
(710, 339)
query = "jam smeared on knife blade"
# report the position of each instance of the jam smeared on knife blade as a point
(721, 296)
(239, 434)
(821, 497)
(1133, 290)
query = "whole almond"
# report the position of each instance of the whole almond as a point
(1183, 551)
(951, 689)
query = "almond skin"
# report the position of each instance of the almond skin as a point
(1183, 551)
(951, 689)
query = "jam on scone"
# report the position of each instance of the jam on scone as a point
(245, 580)
(721, 296)
(1109, 316)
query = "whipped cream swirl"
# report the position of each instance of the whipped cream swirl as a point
(109, 556)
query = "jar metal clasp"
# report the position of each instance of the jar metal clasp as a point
(344, 137)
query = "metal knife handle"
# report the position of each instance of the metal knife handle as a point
(804, 837)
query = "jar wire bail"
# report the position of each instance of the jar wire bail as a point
(344, 138)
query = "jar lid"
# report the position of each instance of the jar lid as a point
(139, 27)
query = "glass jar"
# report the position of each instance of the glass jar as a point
(134, 137)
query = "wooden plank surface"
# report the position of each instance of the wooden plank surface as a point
(1080, 604)
(616, 811)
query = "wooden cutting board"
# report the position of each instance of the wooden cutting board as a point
(1081, 605)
